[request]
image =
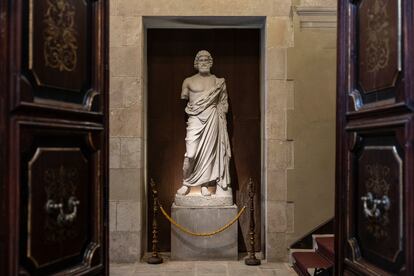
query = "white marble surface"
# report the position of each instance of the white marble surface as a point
(198, 200)
(208, 153)
(222, 246)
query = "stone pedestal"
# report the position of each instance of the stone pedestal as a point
(222, 246)
(197, 200)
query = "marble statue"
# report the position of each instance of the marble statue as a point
(208, 153)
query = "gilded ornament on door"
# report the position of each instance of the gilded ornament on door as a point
(378, 183)
(60, 184)
(378, 37)
(60, 36)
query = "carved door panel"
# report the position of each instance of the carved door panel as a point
(374, 189)
(375, 218)
(375, 54)
(61, 54)
(54, 115)
(61, 193)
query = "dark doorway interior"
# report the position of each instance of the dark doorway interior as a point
(236, 54)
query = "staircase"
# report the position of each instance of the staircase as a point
(319, 261)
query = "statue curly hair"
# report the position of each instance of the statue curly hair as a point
(200, 54)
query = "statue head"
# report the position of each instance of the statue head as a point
(203, 61)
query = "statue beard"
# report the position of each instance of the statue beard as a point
(204, 70)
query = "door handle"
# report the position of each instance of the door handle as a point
(373, 207)
(62, 218)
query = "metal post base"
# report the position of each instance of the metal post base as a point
(154, 260)
(252, 261)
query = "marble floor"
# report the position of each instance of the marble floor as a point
(202, 268)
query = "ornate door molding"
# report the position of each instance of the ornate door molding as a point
(54, 137)
(374, 175)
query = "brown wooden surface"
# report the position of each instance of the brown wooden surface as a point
(377, 169)
(73, 77)
(378, 44)
(73, 72)
(63, 115)
(380, 173)
(5, 217)
(58, 161)
(170, 60)
(367, 122)
(373, 61)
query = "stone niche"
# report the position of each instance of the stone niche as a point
(236, 58)
(130, 125)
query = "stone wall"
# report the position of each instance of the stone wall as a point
(127, 117)
(312, 66)
(126, 136)
(318, 3)
(279, 151)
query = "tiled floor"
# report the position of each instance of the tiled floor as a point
(202, 268)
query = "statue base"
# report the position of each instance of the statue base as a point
(198, 200)
(186, 247)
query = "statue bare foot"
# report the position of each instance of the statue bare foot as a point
(204, 191)
(223, 191)
(183, 190)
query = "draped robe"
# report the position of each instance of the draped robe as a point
(207, 137)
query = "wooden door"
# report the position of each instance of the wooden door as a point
(236, 57)
(54, 137)
(375, 128)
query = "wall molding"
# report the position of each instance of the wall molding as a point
(317, 17)
(204, 22)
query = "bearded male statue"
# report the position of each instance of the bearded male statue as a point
(208, 153)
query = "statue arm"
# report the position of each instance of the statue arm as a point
(223, 101)
(184, 90)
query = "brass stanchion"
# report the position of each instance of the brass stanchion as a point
(251, 259)
(155, 258)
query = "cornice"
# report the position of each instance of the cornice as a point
(316, 17)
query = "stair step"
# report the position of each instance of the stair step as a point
(326, 247)
(314, 236)
(309, 260)
(291, 250)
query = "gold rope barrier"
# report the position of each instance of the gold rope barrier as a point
(202, 234)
